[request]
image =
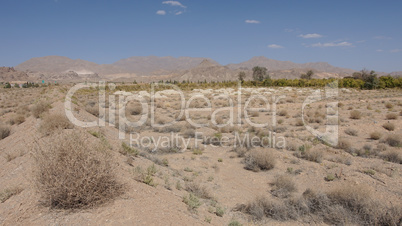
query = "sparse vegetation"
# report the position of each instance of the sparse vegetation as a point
(283, 185)
(8, 193)
(39, 108)
(53, 122)
(351, 132)
(394, 140)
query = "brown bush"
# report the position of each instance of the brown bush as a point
(391, 116)
(299, 122)
(392, 156)
(351, 132)
(39, 108)
(198, 190)
(16, 119)
(134, 109)
(344, 144)
(282, 113)
(394, 140)
(72, 173)
(4, 131)
(389, 105)
(389, 126)
(355, 114)
(93, 110)
(313, 155)
(375, 135)
(260, 159)
(283, 185)
(53, 122)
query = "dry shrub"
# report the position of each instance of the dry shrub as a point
(282, 113)
(389, 105)
(392, 156)
(134, 109)
(299, 122)
(344, 144)
(16, 119)
(198, 190)
(93, 110)
(283, 185)
(351, 132)
(389, 126)
(53, 122)
(394, 140)
(355, 114)
(391, 116)
(9, 192)
(346, 205)
(260, 159)
(4, 131)
(375, 135)
(313, 155)
(72, 173)
(39, 108)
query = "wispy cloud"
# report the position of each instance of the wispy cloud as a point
(178, 13)
(289, 30)
(252, 21)
(382, 37)
(275, 46)
(314, 35)
(380, 50)
(174, 3)
(333, 44)
(395, 50)
(161, 12)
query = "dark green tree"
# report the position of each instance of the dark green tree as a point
(259, 73)
(308, 75)
(241, 75)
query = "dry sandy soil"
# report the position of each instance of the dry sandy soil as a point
(157, 181)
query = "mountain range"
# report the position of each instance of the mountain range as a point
(150, 68)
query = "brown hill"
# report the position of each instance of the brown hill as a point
(8, 74)
(153, 65)
(60, 64)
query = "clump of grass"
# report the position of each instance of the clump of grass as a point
(39, 108)
(16, 119)
(351, 132)
(283, 186)
(73, 173)
(192, 202)
(259, 159)
(389, 126)
(4, 131)
(198, 190)
(394, 140)
(389, 105)
(299, 122)
(8, 193)
(344, 144)
(391, 116)
(355, 114)
(376, 135)
(219, 211)
(128, 150)
(392, 156)
(53, 122)
(282, 113)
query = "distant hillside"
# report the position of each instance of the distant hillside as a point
(157, 65)
(9, 74)
(60, 64)
(273, 65)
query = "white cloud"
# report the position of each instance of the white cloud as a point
(396, 50)
(275, 46)
(380, 50)
(289, 30)
(314, 35)
(174, 3)
(332, 44)
(178, 13)
(252, 21)
(161, 12)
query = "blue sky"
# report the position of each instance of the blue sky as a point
(353, 34)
